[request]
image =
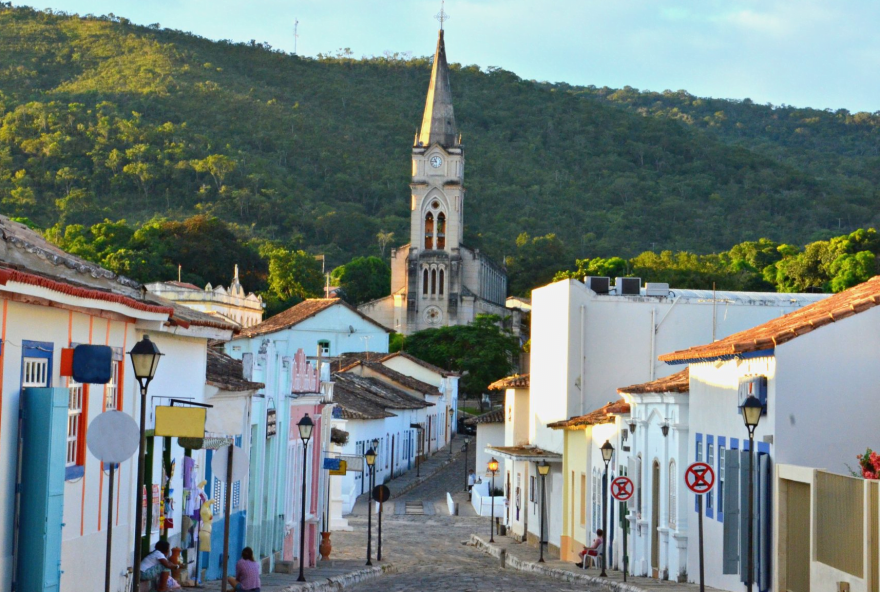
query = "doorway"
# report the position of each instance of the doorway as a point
(655, 520)
(797, 536)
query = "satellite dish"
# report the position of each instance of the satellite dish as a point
(113, 437)
(239, 464)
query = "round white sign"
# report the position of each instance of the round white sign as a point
(113, 437)
(239, 463)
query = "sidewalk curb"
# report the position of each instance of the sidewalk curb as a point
(559, 574)
(337, 583)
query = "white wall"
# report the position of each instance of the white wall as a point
(488, 434)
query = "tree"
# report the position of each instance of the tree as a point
(384, 238)
(293, 277)
(535, 262)
(363, 279)
(482, 352)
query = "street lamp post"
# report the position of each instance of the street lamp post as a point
(607, 452)
(467, 441)
(145, 359)
(305, 425)
(371, 460)
(493, 468)
(751, 412)
(373, 486)
(543, 469)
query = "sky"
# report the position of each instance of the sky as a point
(807, 53)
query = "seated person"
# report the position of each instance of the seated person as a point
(247, 573)
(593, 550)
(156, 569)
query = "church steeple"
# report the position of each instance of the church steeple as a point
(438, 123)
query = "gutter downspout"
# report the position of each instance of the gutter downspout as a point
(583, 359)
(653, 340)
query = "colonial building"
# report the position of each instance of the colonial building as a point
(233, 304)
(436, 280)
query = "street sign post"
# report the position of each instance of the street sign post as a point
(381, 494)
(700, 479)
(622, 489)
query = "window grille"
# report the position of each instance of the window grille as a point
(36, 372)
(111, 389)
(74, 421)
(673, 495)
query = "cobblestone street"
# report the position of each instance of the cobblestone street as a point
(430, 552)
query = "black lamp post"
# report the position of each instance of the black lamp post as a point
(371, 460)
(751, 412)
(145, 359)
(493, 468)
(305, 426)
(543, 469)
(467, 442)
(607, 452)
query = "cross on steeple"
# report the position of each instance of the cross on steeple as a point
(442, 16)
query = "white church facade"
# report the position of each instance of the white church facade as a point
(436, 280)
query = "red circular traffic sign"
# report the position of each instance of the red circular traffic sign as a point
(699, 478)
(622, 488)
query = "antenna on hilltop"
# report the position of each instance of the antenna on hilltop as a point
(442, 16)
(295, 35)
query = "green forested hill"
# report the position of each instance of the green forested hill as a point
(103, 119)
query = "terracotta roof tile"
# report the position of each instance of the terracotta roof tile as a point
(523, 452)
(674, 383)
(299, 313)
(227, 373)
(353, 403)
(423, 363)
(785, 328)
(398, 377)
(494, 416)
(515, 381)
(604, 414)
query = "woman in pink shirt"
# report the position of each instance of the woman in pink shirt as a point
(247, 573)
(593, 550)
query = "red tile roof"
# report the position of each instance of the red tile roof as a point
(423, 363)
(604, 414)
(494, 416)
(785, 328)
(674, 383)
(299, 313)
(515, 381)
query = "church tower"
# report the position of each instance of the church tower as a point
(436, 280)
(436, 220)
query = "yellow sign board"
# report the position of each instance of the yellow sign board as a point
(181, 422)
(341, 471)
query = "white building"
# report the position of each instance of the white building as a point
(816, 371)
(232, 304)
(445, 380)
(656, 460)
(490, 432)
(585, 344)
(51, 301)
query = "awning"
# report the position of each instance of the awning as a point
(526, 453)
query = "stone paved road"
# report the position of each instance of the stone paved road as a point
(429, 551)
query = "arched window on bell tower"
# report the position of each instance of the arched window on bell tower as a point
(441, 230)
(429, 231)
(433, 281)
(441, 281)
(425, 281)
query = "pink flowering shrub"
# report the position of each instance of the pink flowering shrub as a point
(869, 464)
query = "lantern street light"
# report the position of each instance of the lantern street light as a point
(145, 359)
(305, 425)
(607, 452)
(493, 468)
(543, 469)
(371, 460)
(751, 412)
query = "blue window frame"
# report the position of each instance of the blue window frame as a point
(710, 460)
(698, 456)
(722, 453)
